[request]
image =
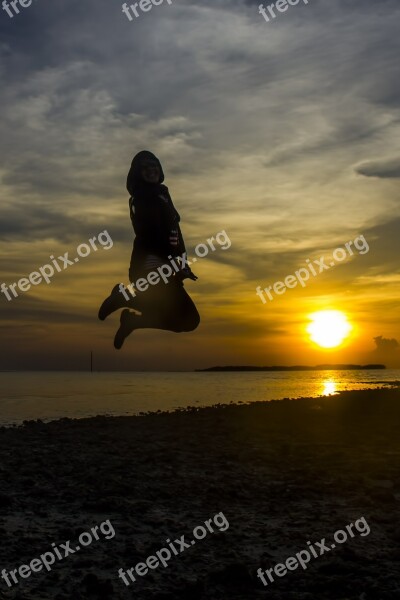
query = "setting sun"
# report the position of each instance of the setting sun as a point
(328, 328)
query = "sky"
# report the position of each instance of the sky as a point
(284, 134)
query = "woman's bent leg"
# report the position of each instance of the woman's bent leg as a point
(167, 306)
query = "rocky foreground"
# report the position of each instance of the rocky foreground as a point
(282, 473)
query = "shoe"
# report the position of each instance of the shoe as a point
(128, 324)
(114, 301)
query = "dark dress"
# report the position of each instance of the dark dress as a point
(158, 241)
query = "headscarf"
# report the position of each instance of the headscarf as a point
(135, 180)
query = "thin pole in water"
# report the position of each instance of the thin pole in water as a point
(91, 361)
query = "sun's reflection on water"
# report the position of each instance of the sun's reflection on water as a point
(329, 387)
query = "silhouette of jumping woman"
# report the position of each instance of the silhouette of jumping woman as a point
(164, 303)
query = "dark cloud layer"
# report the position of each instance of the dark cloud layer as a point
(385, 169)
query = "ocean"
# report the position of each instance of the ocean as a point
(54, 395)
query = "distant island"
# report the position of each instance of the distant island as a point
(294, 368)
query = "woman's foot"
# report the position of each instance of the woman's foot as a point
(114, 301)
(128, 324)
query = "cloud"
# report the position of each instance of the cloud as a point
(386, 344)
(258, 125)
(384, 169)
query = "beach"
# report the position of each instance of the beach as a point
(281, 473)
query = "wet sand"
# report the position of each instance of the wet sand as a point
(283, 473)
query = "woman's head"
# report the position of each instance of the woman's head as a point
(150, 170)
(145, 169)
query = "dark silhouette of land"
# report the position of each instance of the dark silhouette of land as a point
(294, 368)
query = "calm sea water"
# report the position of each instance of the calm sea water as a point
(52, 395)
